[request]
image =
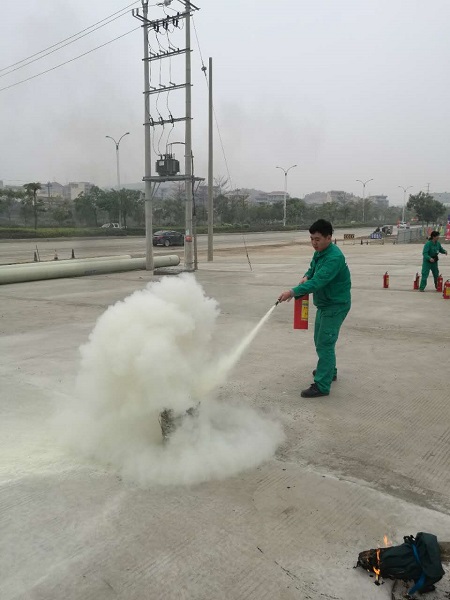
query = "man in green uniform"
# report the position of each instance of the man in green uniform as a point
(430, 254)
(328, 279)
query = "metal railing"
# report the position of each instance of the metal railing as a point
(406, 236)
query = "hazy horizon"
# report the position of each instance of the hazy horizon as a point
(346, 92)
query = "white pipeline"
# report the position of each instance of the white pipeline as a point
(64, 261)
(55, 270)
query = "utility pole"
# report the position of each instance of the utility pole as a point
(286, 171)
(188, 253)
(428, 188)
(210, 166)
(147, 151)
(364, 197)
(194, 219)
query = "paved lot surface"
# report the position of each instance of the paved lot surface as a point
(370, 459)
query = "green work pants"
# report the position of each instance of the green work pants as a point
(326, 332)
(426, 266)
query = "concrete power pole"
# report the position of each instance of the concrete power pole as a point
(148, 152)
(210, 166)
(188, 250)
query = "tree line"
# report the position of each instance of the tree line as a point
(234, 209)
(97, 206)
(88, 210)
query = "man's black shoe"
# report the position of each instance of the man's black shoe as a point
(334, 378)
(312, 392)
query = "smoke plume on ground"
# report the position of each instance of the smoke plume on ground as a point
(153, 352)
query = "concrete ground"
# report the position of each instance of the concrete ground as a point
(370, 459)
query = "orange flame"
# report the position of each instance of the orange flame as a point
(375, 570)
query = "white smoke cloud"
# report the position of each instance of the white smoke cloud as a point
(149, 353)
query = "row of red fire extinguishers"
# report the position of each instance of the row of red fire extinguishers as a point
(440, 285)
(301, 305)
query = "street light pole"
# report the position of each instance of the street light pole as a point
(118, 170)
(364, 196)
(285, 171)
(405, 189)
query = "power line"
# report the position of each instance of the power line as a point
(223, 149)
(69, 61)
(199, 49)
(69, 38)
(60, 47)
(214, 111)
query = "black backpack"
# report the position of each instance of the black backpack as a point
(417, 559)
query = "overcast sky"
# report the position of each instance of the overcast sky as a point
(345, 89)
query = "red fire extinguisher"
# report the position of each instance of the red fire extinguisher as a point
(301, 311)
(386, 280)
(416, 282)
(446, 291)
(439, 282)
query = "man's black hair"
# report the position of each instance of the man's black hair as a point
(321, 226)
(434, 234)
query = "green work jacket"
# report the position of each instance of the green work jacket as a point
(328, 279)
(432, 249)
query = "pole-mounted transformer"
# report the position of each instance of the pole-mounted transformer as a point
(167, 165)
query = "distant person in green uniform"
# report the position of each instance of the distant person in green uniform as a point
(328, 279)
(430, 254)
